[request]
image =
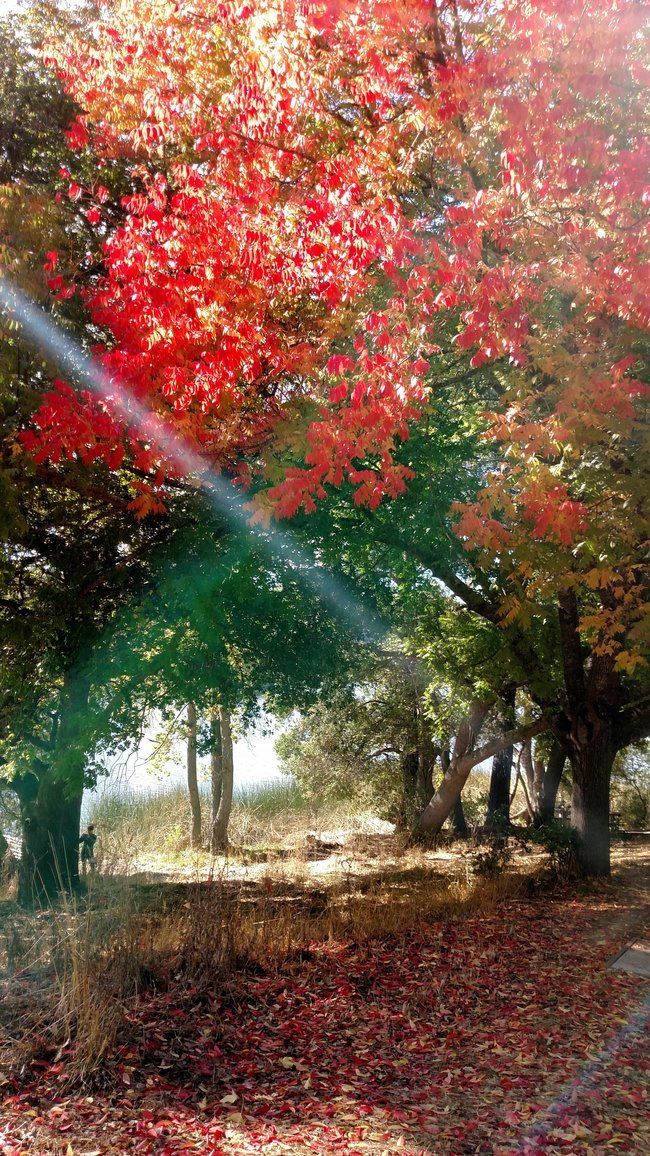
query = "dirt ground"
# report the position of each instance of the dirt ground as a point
(480, 1028)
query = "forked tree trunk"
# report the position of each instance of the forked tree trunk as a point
(219, 838)
(192, 778)
(551, 784)
(592, 768)
(466, 756)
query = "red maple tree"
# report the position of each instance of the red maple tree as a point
(322, 194)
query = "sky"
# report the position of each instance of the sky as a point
(254, 760)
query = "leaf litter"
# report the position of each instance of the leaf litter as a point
(502, 1033)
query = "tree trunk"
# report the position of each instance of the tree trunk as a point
(457, 814)
(498, 808)
(551, 783)
(588, 735)
(50, 818)
(216, 769)
(458, 820)
(526, 764)
(591, 764)
(465, 757)
(427, 754)
(219, 839)
(408, 808)
(50, 805)
(192, 779)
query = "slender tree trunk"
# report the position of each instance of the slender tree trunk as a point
(216, 770)
(528, 769)
(592, 764)
(219, 840)
(498, 808)
(192, 778)
(551, 783)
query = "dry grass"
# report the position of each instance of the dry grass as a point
(100, 956)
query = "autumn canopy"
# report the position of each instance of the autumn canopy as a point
(329, 198)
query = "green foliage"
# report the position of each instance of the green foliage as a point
(560, 843)
(342, 750)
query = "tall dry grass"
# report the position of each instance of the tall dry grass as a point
(104, 956)
(264, 815)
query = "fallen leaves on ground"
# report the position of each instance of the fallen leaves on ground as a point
(503, 1033)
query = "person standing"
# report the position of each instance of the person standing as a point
(88, 840)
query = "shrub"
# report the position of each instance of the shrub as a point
(560, 843)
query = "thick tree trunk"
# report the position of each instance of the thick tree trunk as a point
(457, 814)
(498, 808)
(417, 763)
(427, 755)
(50, 805)
(219, 839)
(589, 736)
(192, 779)
(591, 764)
(551, 784)
(408, 808)
(50, 818)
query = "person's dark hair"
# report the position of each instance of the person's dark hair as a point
(91, 826)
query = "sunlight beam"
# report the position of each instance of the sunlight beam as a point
(58, 347)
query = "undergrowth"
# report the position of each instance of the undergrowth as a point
(107, 949)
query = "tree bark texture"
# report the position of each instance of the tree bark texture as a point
(216, 768)
(590, 736)
(551, 783)
(219, 839)
(498, 808)
(591, 764)
(192, 778)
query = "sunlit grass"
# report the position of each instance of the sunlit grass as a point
(273, 814)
